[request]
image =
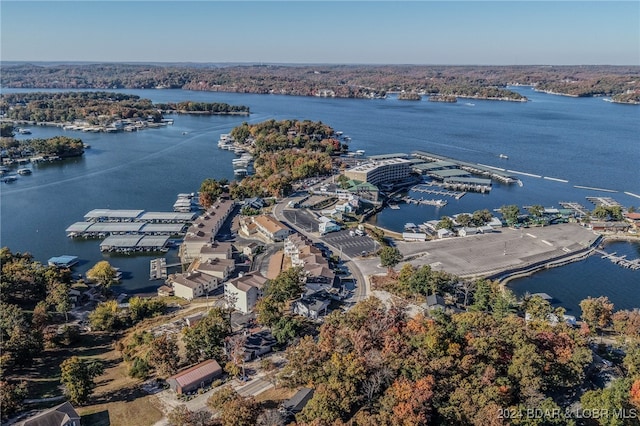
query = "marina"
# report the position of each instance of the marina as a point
(128, 244)
(426, 189)
(432, 202)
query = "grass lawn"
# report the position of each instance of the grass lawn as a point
(139, 411)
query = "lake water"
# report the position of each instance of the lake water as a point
(585, 141)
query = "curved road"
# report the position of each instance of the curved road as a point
(362, 287)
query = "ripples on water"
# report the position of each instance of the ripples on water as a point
(586, 141)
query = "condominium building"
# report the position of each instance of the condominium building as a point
(382, 171)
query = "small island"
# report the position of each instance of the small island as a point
(100, 111)
(443, 98)
(409, 96)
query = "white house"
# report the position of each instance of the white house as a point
(271, 228)
(245, 290)
(326, 225)
(192, 284)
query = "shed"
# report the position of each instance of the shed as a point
(195, 377)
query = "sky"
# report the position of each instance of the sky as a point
(332, 32)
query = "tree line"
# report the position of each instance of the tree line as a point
(97, 108)
(348, 81)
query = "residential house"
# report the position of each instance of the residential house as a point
(216, 250)
(60, 415)
(258, 344)
(192, 284)
(326, 225)
(270, 228)
(245, 290)
(311, 306)
(434, 301)
(218, 268)
(195, 377)
(165, 291)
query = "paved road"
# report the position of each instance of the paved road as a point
(362, 286)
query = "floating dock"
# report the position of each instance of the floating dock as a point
(158, 269)
(621, 260)
(425, 188)
(473, 168)
(128, 244)
(603, 201)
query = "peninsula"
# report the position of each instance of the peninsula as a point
(100, 111)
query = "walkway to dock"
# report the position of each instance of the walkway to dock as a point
(425, 188)
(158, 269)
(576, 207)
(621, 260)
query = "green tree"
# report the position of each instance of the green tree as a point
(600, 212)
(210, 190)
(537, 308)
(463, 219)
(60, 299)
(343, 181)
(536, 210)
(596, 312)
(103, 274)
(11, 396)
(78, 376)
(105, 316)
(609, 401)
(205, 340)
(510, 213)
(286, 329)
(445, 223)
(163, 355)
(390, 257)
(6, 130)
(289, 284)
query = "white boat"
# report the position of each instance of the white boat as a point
(24, 171)
(9, 179)
(503, 156)
(360, 152)
(24, 131)
(240, 172)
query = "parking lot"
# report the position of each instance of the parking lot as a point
(351, 246)
(302, 219)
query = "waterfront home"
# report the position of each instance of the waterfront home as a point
(195, 377)
(165, 291)
(60, 415)
(245, 290)
(192, 284)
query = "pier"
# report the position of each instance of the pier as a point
(621, 260)
(603, 201)
(579, 209)
(437, 203)
(425, 188)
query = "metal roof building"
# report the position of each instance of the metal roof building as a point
(171, 217)
(195, 377)
(112, 215)
(163, 228)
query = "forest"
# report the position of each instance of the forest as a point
(621, 83)
(103, 108)
(284, 151)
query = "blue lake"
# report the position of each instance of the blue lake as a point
(585, 141)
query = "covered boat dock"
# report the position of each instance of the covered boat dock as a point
(134, 243)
